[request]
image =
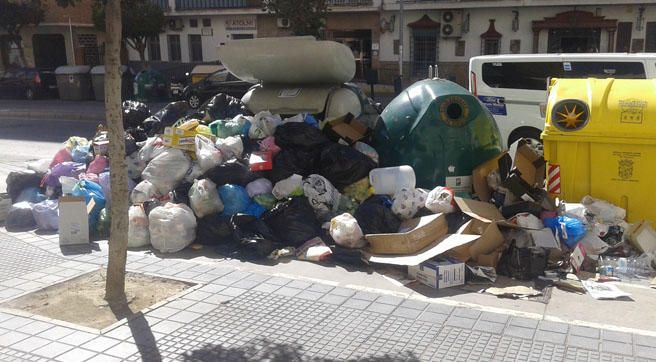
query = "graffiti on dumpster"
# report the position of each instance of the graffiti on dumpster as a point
(626, 162)
(632, 110)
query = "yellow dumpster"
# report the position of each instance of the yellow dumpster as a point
(600, 140)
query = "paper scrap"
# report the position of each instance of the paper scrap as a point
(604, 290)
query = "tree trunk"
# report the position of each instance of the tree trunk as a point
(118, 240)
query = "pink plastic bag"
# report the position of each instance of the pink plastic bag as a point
(98, 165)
(63, 155)
(269, 144)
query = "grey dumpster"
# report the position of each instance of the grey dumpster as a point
(74, 82)
(98, 81)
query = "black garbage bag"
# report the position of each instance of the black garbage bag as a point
(289, 162)
(295, 135)
(293, 222)
(17, 181)
(138, 133)
(232, 172)
(375, 216)
(523, 263)
(213, 230)
(20, 217)
(165, 117)
(343, 165)
(153, 126)
(134, 113)
(181, 193)
(222, 106)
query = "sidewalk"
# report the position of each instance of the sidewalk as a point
(238, 315)
(49, 109)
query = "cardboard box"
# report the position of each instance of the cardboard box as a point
(437, 247)
(182, 139)
(413, 235)
(74, 220)
(479, 178)
(439, 273)
(643, 237)
(346, 128)
(522, 160)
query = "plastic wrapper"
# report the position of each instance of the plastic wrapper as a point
(343, 165)
(17, 181)
(63, 155)
(138, 227)
(104, 224)
(322, 196)
(167, 170)
(259, 186)
(263, 125)
(293, 222)
(144, 191)
(204, 198)
(268, 201)
(224, 128)
(604, 211)
(346, 232)
(20, 217)
(299, 135)
(359, 190)
(291, 186)
(207, 154)
(269, 144)
(46, 214)
(232, 172)
(407, 202)
(172, 227)
(235, 199)
(367, 150)
(440, 200)
(230, 147)
(134, 113)
(69, 169)
(81, 153)
(375, 216)
(39, 166)
(91, 191)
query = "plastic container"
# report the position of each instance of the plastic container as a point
(389, 180)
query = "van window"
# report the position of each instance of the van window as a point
(530, 75)
(622, 70)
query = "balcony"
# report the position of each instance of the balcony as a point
(163, 4)
(211, 4)
(350, 2)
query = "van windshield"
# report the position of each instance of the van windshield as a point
(533, 75)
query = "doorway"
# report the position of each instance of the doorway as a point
(49, 50)
(574, 40)
(359, 41)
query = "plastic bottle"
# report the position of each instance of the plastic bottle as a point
(388, 180)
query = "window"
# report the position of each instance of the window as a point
(622, 70)
(423, 49)
(241, 36)
(220, 76)
(460, 48)
(193, 23)
(207, 22)
(623, 43)
(154, 51)
(195, 48)
(650, 38)
(491, 46)
(175, 55)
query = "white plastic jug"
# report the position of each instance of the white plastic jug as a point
(388, 180)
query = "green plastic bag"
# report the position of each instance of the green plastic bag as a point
(104, 224)
(268, 201)
(229, 127)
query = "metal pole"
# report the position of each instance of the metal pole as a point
(401, 26)
(70, 31)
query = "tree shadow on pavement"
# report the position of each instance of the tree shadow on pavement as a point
(140, 330)
(262, 349)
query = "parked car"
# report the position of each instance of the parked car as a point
(29, 83)
(219, 82)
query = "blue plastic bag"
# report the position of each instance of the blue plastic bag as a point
(309, 119)
(235, 199)
(255, 209)
(31, 194)
(569, 230)
(91, 190)
(81, 153)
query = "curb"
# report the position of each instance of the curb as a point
(62, 116)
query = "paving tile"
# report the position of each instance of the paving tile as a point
(121, 333)
(381, 308)
(299, 284)
(184, 316)
(406, 312)
(309, 295)
(549, 336)
(122, 350)
(212, 288)
(201, 268)
(333, 299)
(204, 278)
(245, 284)
(494, 317)
(217, 299)
(202, 307)
(645, 352)
(182, 303)
(460, 322)
(583, 342)
(489, 327)
(104, 358)
(343, 292)
(197, 295)
(100, 344)
(553, 326)
(643, 340)
(440, 308)
(279, 281)
(52, 350)
(30, 344)
(433, 317)
(12, 337)
(35, 327)
(524, 322)
(615, 336)
(414, 304)
(390, 299)
(220, 271)
(618, 347)
(584, 331)
(321, 288)
(77, 338)
(166, 326)
(287, 291)
(163, 312)
(232, 291)
(15, 323)
(76, 355)
(520, 332)
(356, 304)
(266, 288)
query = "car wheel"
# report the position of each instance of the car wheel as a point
(29, 93)
(194, 101)
(532, 135)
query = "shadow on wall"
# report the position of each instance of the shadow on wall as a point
(264, 349)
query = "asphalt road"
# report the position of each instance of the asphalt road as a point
(26, 140)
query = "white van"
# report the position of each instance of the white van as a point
(513, 87)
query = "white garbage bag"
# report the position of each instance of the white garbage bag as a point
(291, 185)
(135, 165)
(263, 125)
(259, 187)
(322, 195)
(153, 147)
(204, 198)
(167, 170)
(46, 214)
(194, 172)
(172, 227)
(346, 232)
(230, 147)
(144, 191)
(440, 200)
(407, 202)
(603, 211)
(138, 233)
(208, 155)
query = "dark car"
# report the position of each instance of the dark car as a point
(29, 83)
(219, 82)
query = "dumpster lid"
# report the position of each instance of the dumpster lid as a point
(73, 69)
(100, 69)
(206, 69)
(287, 99)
